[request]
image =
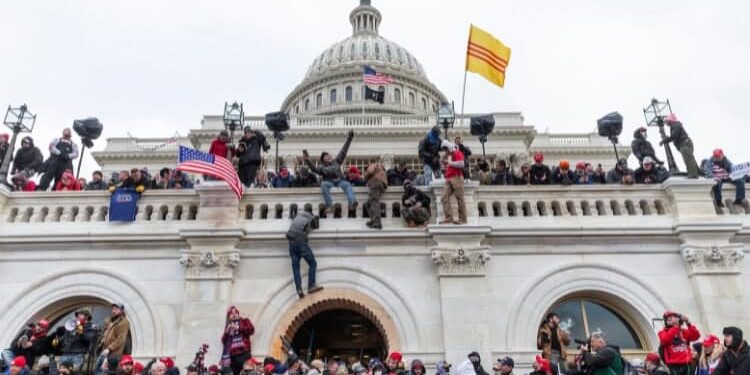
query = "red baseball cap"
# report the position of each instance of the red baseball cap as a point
(710, 341)
(126, 359)
(19, 361)
(653, 358)
(543, 364)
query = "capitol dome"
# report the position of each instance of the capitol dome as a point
(333, 83)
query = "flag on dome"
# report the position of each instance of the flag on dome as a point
(190, 160)
(371, 77)
(487, 56)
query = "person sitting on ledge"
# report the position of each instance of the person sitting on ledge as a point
(719, 168)
(330, 170)
(416, 206)
(650, 173)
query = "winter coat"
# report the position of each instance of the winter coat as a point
(540, 174)
(281, 182)
(708, 170)
(249, 149)
(605, 362)
(641, 147)
(657, 175)
(409, 199)
(734, 362)
(79, 340)
(615, 175)
(677, 135)
(305, 179)
(301, 227)
(114, 336)
(96, 185)
(246, 330)
(397, 177)
(185, 183)
(63, 150)
(564, 177)
(375, 174)
(467, 153)
(27, 158)
(429, 151)
(544, 343)
(218, 148)
(504, 177)
(332, 171)
(675, 343)
(27, 186)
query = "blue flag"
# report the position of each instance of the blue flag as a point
(123, 205)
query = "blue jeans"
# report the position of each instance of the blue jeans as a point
(739, 187)
(429, 172)
(344, 185)
(299, 251)
(76, 359)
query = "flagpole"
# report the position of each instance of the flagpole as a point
(463, 97)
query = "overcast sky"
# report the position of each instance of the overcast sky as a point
(153, 67)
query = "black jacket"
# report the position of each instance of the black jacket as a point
(642, 147)
(332, 170)
(504, 177)
(734, 362)
(306, 179)
(602, 359)
(397, 177)
(540, 174)
(429, 153)
(94, 185)
(615, 175)
(677, 135)
(78, 341)
(564, 177)
(657, 175)
(27, 158)
(248, 150)
(409, 199)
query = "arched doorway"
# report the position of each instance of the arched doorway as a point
(342, 333)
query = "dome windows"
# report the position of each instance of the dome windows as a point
(397, 95)
(319, 100)
(333, 96)
(424, 104)
(352, 51)
(412, 100)
(349, 93)
(364, 50)
(388, 55)
(377, 51)
(307, 105)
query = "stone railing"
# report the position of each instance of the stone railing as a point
(486, 205)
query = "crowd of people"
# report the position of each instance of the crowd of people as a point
(82, 346)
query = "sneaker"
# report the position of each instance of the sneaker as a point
(446, 222)
(720, 204)
(353, 206)
(301, 294)
(314, 289)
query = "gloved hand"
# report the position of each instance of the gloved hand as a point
(350, 135)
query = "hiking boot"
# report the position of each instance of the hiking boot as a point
(720, 204)
(353, 206)
(739, 202)
(301, 294)
(314, 289)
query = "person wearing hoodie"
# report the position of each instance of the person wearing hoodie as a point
(736, 358)
(392, 364)
(68, 182)
(298, 234)
(719, 168)
(62, 152)
(249, 153)
(679, 137)
(429, 153)
(171, 369)
(330, 170)
(417, 368)
(236, 340)
(283, 180)
(28, 158)
(675, 339)
(540, 172)
(377, 183)
(471, 366)
(563, 175)
(641, 147)
(354, 176)
(442, 368)
(21, 183)
(618, 173)
(650, 173)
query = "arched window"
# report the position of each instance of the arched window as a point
(584, 316)
(296, 109)
(364, 50)
(424, 103)
(377, 51)
(349, 93)
(319, 100)
(412, 100)
(307, 104)
(397, 95)
(388, 54)
(333, 96)
(341, 52)
(352, 51)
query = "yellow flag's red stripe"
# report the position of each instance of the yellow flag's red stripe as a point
(485, 50)
(484, 58)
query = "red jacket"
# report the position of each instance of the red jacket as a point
(246, 330)
(678, 354)
(218, 148)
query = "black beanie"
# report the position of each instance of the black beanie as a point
(736, 334)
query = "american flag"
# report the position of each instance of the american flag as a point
(195, 161)
(371, 77)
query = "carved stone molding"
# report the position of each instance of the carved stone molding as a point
(713, 259)
(460, 262)
(387, 160)
(208, 265)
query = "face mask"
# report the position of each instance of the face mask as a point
(644, 135)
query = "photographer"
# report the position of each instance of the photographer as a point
(298, 234)
(553, 340)
(601, 359)
(62, 152)
(248, 151)
(236, 340)
(77, 341)
(675, 341)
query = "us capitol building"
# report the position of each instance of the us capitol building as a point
(605, 257)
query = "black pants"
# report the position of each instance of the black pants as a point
(680, 370)
(237, 361)
(247, 173)
(55, 168)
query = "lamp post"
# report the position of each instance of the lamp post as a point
(17, 120)
(654, 115)
(446, 116)
(234, 117)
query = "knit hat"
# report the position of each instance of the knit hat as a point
(667, 313)
(718, 153)
(417, 364)
(126, 359)
(138, 368)
(543, 364)
(397, 356)
(710, 341)
(564, 164)
(671, 118)
(507, 361)
(653, 358)
(736, 334)
(19, 361)
(353, 169)
(538, 157)
(581, 165)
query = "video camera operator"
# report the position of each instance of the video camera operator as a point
(598, 358)
(675, 341)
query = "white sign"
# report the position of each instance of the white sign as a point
(739, 171)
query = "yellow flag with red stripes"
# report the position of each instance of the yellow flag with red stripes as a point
(487, 56)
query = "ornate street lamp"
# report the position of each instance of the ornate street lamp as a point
(234, 117)
(446, 116)
(655, 114)
(17, 120)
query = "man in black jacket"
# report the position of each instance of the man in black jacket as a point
(467, 153)
(77, 342)
(641, 146)
(650, 173)
(601, 358)
(540, 173)
(28, 158)
(97, 182)
(62, 152)
(248, 151)
(429, 154)
(330, 170)
(679, 137)
(416, 206)
(298, 233)
(736, 359)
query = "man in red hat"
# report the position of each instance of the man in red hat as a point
(654, 365)
(126, 366)
(719, 168)
(392, 363)
(541, 366)
(18, 366)
(675, 342)
(679, 137)
(540, 173)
